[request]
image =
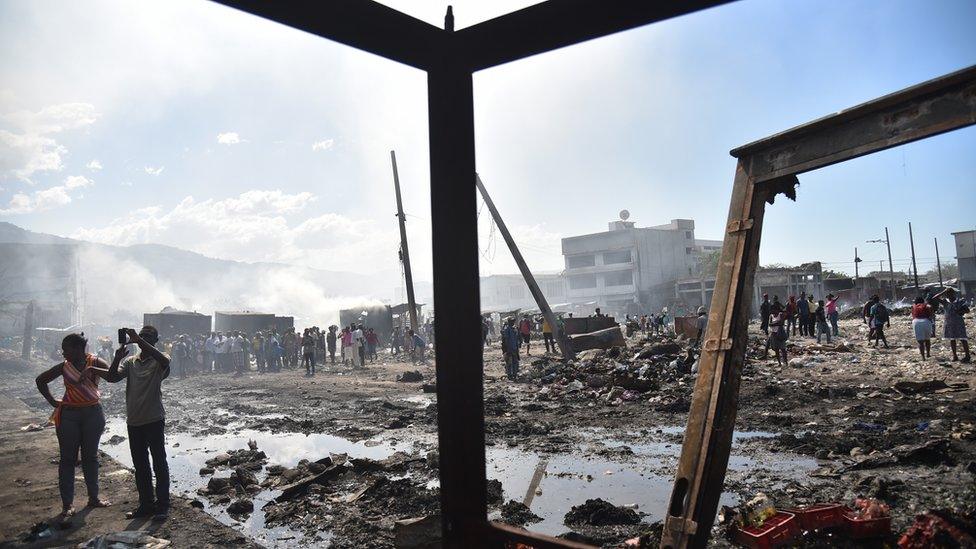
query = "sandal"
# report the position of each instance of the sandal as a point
(99, 503)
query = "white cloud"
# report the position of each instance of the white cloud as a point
(47, 199)
(323, 145)
(229, 138)
(154, 171)
(26, 145)
(256, 226)
(126, 183)
(94, 165)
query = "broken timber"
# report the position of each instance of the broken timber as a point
(404, 250)
(565, 348)
(766, 168)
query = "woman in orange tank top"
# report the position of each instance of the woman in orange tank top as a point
(78, 418)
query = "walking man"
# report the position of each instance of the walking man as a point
(145, 417)
(547, 335)
(764, 314)
(510, 349)
(832, 313)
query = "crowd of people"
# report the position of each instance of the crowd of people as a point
(780, 321)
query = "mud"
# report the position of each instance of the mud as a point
(355, 451)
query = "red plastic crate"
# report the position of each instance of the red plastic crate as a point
(778, 529)
(820, 515)
(858, 528)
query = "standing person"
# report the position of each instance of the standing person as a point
(346, 342)
(525, 332)
(396, 339)
(879, 317)
(764, 314)
(803, 311)
(223, 352)
(791, 312)
(820, 317)
(832, 313)
(236, 353)
(866, 315)
(547, 335)
(954, 324)
(922, 326)
(811, 319)
(419, 348)
(359, 341)
(308, 352)
(775, 308)
(701, 323)
(78, 419)
(181, 356)
(510, 349)
(372, 341)
(209, 352)
(330, 340)
(145, 417)
(257, 349)
(778, 335)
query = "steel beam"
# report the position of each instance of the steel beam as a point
(937, 106)
(362, 24)
(457, 320)
(558, 23)
(501, 535)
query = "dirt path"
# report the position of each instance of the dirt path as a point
(29, 494)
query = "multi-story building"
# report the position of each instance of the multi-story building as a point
(966, 260)
(628, 269)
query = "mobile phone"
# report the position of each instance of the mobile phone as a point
(122, 336)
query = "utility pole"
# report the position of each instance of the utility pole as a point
(564, 345)
(911, 239)
(404, 251)
(25, 349)
(856, 261)
(938, 262)
(891, 269)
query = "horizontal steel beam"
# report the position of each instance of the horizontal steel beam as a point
(559, 23)
(502, 533)
(362, 24)
(937, 106)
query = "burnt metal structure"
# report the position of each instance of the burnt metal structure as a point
(765, 168)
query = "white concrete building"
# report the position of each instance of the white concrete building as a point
(629, 269)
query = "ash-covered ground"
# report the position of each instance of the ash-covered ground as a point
(339, 458)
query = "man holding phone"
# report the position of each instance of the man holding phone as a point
(145, 417)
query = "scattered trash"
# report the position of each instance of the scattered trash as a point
(410, 377)
(597, 512)
(125, 540)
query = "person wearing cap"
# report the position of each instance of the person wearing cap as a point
(701, 322)
(764, 314)
(145, 418)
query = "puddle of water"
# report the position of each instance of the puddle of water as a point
(192, 452)
(643, 478)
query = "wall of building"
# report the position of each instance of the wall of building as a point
(966, 260)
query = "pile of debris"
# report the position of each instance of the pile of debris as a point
(656, 365)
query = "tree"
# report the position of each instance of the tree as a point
(949, 270)
(709, 262)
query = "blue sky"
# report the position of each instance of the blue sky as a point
(239, 138)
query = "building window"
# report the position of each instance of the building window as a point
(580, 282)
(623, 256)
(619, 278)
(689, 251)
(578, 261)
(554, 289)
(688, 234)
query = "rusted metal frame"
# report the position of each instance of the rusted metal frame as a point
(937, 106)
(460, 371)
(708, 436)
(500, 533)
(558, 23)
(362, 24)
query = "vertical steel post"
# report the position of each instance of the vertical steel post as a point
(938, 262)
(856, 261)
(457, 319)
(404, 249)
(28, 344)
(891, 269)
(911, 240)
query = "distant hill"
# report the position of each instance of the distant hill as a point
(126, 281)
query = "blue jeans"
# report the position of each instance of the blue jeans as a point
(79, 428)
(833, 323)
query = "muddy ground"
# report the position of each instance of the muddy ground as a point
(339, 458)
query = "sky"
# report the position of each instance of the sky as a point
(190, 124)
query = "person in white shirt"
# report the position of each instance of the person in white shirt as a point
(223, 353)
(235, 345)
(209, 352)
(358, 351)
